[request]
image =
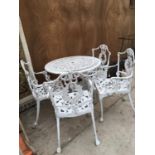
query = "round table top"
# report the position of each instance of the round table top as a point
(72, 64)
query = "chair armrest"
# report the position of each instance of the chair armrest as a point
(112, 66)
(37, 73)
(49, 87)
(47, 77)
(123, 78)
(35, 85)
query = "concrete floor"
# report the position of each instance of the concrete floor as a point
(116, 133)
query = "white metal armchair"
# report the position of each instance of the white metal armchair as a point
(38, 91)
(71, 99)
(103, 53)
(121, 84)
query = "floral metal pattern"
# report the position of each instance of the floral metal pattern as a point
(120, 84)
(38, 91)
(103, 53)
(68, 95)
(72, 64)
(70, 98)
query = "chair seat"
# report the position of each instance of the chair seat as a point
(107, 87)
(81, 105)
(40, 93)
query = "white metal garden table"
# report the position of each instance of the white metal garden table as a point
(72, 64)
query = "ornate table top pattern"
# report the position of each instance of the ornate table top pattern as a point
(72, 64)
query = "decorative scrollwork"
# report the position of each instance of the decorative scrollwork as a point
(37, 90)
(129, 62)
(72, 64)
(117, 85)
(104, 56)
(71, 98)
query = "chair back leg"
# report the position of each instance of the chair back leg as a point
(37, 113)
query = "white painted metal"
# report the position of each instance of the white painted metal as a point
(72, 64)
(70, 98)
(117, 85)
(103, 53)
(38, 91)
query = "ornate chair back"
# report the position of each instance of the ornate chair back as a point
(128, 54)
(32, 81)
(103, 53)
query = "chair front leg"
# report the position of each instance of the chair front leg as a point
(131, 101)
(97, 142)
(58, 135)
(101, 108)
(37, 113)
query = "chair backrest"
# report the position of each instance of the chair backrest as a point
(29, 75)
(103, 53)
(69, 86)
(128, 63)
